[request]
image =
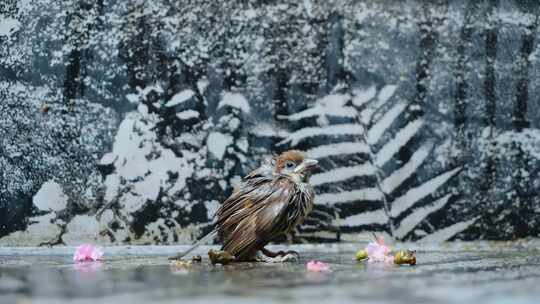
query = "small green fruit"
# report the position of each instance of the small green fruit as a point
(361, 255)
(405, 257)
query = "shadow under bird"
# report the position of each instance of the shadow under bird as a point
(270, 201)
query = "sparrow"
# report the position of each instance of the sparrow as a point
(269, 202)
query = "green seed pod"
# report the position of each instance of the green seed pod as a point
(405, 257)
(361, 255)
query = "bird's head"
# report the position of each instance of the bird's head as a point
(294, 164)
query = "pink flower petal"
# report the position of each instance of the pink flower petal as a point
(317, 266)
(378, 252)
(87, 253)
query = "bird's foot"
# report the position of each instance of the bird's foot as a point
(279, 257)
(289, 252)
(290, 256)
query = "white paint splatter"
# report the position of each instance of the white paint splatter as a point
(187, 114)
(39, 231)
(334, 130)
(180, 98)
(212, 207)
(366, 116)
(140, 160)
(397, 177)
(217, 142)
(366, 194)
(375, 133)
(337, 149)
(50, 197)
(448, 232)
(399, 140)
(8, 25)
(360, 97)
(202, 85)
(341, 174)
(413, 195)
(268, 130)
(330, 105)
(235, 100)
(81, 229)
(366, 218)
(107, 159)
(419, 214)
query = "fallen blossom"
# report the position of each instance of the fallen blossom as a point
(87, 253)
(405, 257)
(361, 255)
(317, 266)
(378, 252)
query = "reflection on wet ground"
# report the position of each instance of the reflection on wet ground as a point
(461, 273)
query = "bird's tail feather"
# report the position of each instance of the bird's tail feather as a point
(198, 243)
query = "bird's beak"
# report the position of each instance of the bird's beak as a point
(307, 164)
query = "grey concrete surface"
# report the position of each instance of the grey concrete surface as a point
(478, 272)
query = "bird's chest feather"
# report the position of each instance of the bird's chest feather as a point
(299, 204)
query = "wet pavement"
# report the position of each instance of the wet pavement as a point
(452, 273)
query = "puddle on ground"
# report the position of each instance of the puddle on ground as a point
(509, 274)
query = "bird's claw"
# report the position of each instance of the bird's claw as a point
(281, 257)
(290, 256)
(293, 253)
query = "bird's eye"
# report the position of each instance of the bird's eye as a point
(289, 164)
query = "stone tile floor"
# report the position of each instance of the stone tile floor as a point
(477, 272)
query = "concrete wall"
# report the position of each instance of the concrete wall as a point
(131, 121)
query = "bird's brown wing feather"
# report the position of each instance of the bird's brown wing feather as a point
(265, 171)
(253, 215)
(246, 194)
